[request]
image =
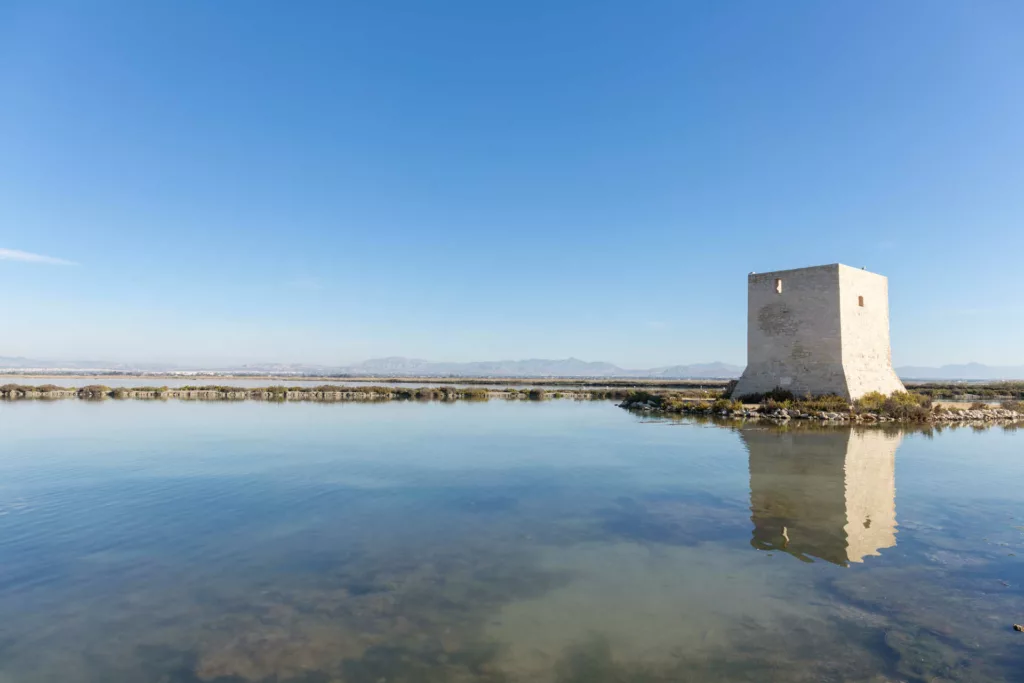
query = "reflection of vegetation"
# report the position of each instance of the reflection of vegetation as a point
(323, 392)
(926, 429)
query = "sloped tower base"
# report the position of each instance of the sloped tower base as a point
(850, 384)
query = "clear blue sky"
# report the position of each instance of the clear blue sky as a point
(466, 180)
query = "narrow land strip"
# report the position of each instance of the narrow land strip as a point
(777, 406)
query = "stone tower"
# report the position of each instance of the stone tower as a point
(820, 330)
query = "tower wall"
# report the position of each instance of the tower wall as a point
(794, 336)
(864, 315)
(819, 330)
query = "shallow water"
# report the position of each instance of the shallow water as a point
(559, 541)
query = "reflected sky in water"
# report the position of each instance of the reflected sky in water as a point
(557, 541)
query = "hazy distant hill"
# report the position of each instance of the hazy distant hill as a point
(538, 367)
(535, 367)
(573, 367)
(697, 371)
(16, 362)
(965, 371)
(398, 366)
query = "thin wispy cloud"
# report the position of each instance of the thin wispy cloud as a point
(28, 257)
(657, 324)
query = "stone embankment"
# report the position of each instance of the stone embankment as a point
(988, 415)
(787, 414)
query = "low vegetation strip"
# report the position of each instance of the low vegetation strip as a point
(782, 405)
(326, 392)
(968, 391)
(778, 405)
(410, 380)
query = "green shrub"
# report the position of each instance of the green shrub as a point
(727, 405)
(901, 405)
(770, 405)
(777, 395)
(829, 403)
(641, 397)
(872, 402)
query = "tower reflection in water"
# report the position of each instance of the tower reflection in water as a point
(829, 495)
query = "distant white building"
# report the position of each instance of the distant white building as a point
(819, 330)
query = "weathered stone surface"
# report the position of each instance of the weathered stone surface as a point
(820, 330)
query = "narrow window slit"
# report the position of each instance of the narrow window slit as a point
(860, 301)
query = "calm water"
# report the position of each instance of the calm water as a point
(555, 542)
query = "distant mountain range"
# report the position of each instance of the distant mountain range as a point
(538, 367)
(396, 366)
(400, 366)
(965, 371)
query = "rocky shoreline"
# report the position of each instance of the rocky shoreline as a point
(993, 415)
